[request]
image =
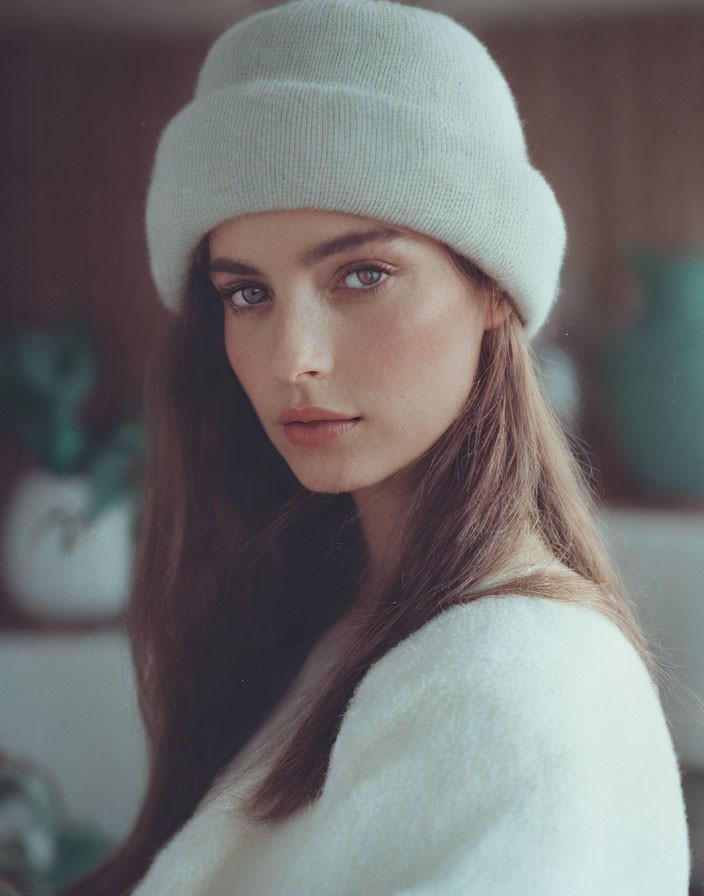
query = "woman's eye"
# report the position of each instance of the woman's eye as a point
(228, 295)
(251, 294)
(369, 277)
(362, 275)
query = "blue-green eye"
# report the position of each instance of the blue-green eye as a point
(227, 295)
(250, 286)
(366, 269)
(255, 290)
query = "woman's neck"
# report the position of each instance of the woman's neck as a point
(383, 512)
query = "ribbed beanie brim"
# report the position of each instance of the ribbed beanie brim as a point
(369, 107)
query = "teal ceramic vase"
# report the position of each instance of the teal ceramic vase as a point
(651, 378)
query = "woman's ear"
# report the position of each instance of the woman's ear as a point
(496, 311)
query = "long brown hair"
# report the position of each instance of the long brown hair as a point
(240, 569)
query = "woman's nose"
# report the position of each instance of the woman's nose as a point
(301, 338)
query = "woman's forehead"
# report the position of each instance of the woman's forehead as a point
(307, 217)
(316, 233)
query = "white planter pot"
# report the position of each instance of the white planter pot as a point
(54, 563)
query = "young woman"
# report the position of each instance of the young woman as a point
(379, 643)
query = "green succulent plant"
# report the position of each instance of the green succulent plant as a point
(46, 377)
(41, 848)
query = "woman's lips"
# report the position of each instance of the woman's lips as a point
(318, 431)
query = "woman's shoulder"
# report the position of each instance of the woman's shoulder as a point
(519, 670)
(511, 726)
(532, 728)
(503, 637)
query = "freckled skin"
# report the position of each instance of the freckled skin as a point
(403, 358)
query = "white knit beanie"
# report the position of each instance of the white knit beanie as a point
(369, 107)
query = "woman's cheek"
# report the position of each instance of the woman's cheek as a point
(242, 357)
(414, 346)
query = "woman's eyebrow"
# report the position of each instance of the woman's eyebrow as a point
(318, 253)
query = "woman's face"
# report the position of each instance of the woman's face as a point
(381, 329)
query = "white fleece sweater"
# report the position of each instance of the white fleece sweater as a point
(513, 746)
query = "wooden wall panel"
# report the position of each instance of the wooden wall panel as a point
(84, 137)
(614, 115)
(613, 109)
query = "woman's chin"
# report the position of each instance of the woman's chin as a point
(327, 481)
(329, 475)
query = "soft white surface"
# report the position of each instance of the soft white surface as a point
(513, 745)
(68, 703)
(661, 558)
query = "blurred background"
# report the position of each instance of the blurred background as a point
(611, 93)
